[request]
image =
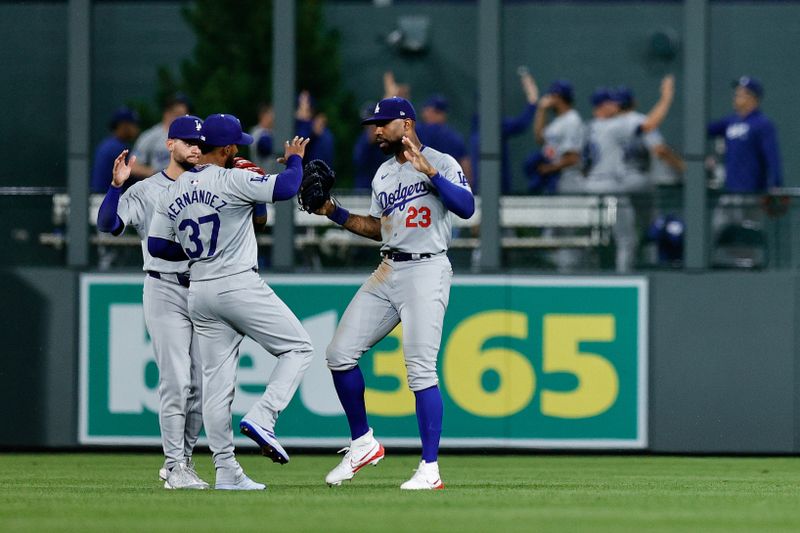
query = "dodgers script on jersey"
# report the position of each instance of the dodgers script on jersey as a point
(209, 209)
(136, 207)
(413, 218)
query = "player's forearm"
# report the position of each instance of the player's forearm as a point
(259, 216)
(657, 114)
(108, 220)
(670, 157)
(287, 183)
(538, 125)
(366, 226)
(567, 160)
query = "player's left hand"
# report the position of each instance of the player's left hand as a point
(417, 160)
(122, 169)
(246, 164)
(296, 146)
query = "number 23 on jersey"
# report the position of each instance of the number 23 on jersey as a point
(418, 217)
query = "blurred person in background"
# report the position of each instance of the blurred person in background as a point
(556, 167)
(151, 147)
(646, 156)
(262, 151)
(509, 127)
(367, 155)
(124, 127)
(434, 131)
(609, 134)
(752, 157)
(314, 126)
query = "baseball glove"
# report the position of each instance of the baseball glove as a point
(315, 190)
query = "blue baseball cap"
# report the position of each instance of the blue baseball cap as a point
(391, 109)
(624, 96)
(600, 95)
(186, 127)
(562, 88)
(751, 84)
(438, 102)
(223, 129)
(123, 114)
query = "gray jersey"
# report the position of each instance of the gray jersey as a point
(413, 218)
(565, 134)
(639, 159)
(136, 207)
(209, 209)
(605, 152)
(151, 147)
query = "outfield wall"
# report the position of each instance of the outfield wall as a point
(669, 362)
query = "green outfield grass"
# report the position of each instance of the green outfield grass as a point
(120, 492)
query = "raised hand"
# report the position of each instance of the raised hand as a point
(529, 86)
(296, 146)
(122, 170)
(417, 160)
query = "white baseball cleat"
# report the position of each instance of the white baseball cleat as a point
(426, 477)
(363, 451)
(181, 477)
(238, 481)
(270, 447)
(162, 473)
(193, 473)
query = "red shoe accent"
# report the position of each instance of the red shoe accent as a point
(377, 456)
(440, 486)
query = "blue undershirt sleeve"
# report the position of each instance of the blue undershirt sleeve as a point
(287, 183)
(456, 199)
(108, 220)
(166, 249)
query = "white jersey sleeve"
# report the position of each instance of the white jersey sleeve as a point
(132, 209)
(246, 187)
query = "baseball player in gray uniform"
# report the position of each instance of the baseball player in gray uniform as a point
(209, 210)
(561, 139)
(165, 300)
(413, 196)
(609, 134)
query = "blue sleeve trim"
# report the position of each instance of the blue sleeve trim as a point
(166, 249)
(108, 220)
(287, 183)
(456, 199)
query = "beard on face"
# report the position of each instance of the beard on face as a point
(229, 161)
(183, 162)
(389, 147)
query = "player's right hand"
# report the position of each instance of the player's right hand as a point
(296, 146)
(122, 169)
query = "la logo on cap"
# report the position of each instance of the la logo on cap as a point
(377, 108)
(198, 126)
